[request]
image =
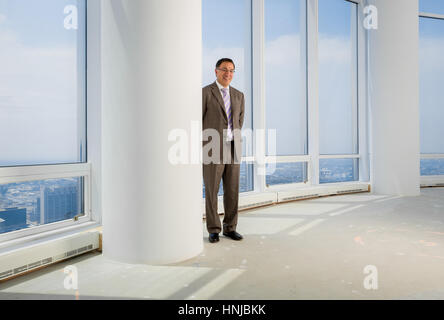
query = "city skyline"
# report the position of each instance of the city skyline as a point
(21, 206)
(41, 202)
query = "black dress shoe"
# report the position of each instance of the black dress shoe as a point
(233, 235)
(214, 237)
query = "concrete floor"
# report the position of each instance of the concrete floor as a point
(313, 249)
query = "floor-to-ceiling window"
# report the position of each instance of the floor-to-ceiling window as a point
(431, 71)
(227, 32)
(306, 60)
(285, 90)
(42, 112)
(338, 77)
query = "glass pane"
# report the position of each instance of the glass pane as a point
(431, 78)
(246, 177)
(245, 180)
(432, 167)
(29, 204)
(338, 77)
(285, 75)
(338, 170)
(42, 82)
(431, 6)
(229, 40)
(285, 173)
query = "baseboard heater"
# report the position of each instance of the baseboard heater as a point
(432, 184)
(301, 197)
(20, 261)
(321, 191)
(351, 191)
(256, 204)
(269, 198)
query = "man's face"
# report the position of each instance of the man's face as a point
(225, 73)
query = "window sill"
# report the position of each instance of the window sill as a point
(22, 242)
(285, 193)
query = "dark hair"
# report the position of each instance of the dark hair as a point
(224, 60)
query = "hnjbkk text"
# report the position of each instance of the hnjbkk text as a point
(230, 309)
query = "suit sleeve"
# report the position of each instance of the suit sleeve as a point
(204, 104)
(242, 112)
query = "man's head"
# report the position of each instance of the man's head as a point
(225, 71)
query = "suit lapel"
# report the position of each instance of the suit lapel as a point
(218, 96)
(234, 100)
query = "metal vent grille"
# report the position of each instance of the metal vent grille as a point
(432, 184)
(350, 191)
(20, 269)
(315, 195)
(256, 204)
(71, 253)
(83, 249)
(36, 264)
(6, 274)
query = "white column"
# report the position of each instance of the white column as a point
(259, 143)
(394, 98)
(151, 51)
(313, 89)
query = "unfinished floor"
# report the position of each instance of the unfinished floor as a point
(313, 249)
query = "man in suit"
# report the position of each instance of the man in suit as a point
(223, 109)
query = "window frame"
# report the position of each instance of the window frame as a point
(425, 156)
(24, 173)
(46, 172)
(312, 96)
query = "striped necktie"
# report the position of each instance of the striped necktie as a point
(227, 103)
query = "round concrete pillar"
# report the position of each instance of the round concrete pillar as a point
(394, 98)
(151, 78)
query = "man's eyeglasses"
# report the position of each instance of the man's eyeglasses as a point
(226, 70)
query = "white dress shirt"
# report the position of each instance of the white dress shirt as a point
(229, 131)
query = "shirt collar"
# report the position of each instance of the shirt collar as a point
(221, 86)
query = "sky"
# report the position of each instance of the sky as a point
(285, 66)
(285, 98)
(39, 83)
(337, 75)
(431, 6)
(431, 66)
(285, 69)
(39, 64)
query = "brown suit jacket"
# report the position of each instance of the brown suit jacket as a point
(215, 117)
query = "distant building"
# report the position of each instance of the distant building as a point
(58, 204)
(12, 219)
(3, 189)
(325, 172)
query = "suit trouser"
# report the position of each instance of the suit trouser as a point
(212, 174)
